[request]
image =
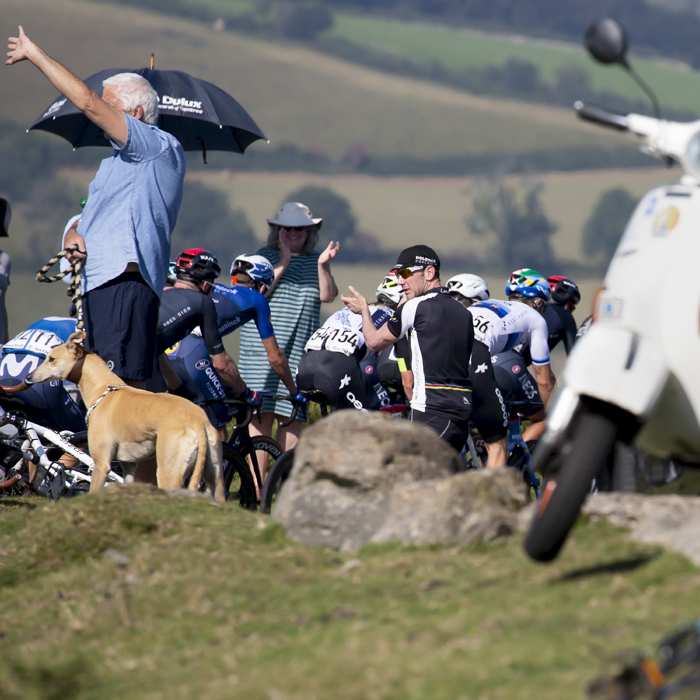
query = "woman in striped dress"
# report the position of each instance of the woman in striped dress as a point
(302, 281)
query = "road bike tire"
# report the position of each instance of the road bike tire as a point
(276, 477)
(239, 483)
(262, 443)
(563, 493)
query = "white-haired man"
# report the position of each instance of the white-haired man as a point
(131, 210)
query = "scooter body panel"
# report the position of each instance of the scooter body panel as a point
(643, 352)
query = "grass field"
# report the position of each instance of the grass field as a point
(296, 95)
(140, 595)
(677, 86)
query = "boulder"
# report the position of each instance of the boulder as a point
(363, 477)
(672, 521)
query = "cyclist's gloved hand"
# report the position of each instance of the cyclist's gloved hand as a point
(300, 399)
(252, 397)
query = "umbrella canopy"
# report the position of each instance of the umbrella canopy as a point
(5, 217)
(200, 115)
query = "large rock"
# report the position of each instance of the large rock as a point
(671, 521)
(362, 477)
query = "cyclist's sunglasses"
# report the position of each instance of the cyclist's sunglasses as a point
(405, 272)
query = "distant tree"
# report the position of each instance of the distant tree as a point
(339, 222)
(206, 220)
(604, 228)
(515, 218)
(303, 20)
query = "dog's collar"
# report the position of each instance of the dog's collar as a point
(110, 387)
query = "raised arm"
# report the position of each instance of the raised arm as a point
(107, 116)
(328, 290)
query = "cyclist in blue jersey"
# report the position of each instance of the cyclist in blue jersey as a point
(48, 404)
(504, 325)
(236, 305)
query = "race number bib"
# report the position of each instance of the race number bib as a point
(33, 341)
(344, 341)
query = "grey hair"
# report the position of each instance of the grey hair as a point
(273, 239)
(135, 91)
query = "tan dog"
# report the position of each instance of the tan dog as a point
(132, 425)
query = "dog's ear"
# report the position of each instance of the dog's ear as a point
(75, 344)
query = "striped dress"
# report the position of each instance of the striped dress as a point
(295, 309)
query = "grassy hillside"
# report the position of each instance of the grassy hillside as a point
(140, 595)
(297, 96)
(677, 86)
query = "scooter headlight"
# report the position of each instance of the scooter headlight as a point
(692, 156)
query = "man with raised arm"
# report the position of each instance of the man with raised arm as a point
(131, 210)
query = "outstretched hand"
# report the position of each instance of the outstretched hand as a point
(356, 302)
(329, 253)
(19, 48)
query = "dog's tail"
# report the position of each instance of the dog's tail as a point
(202, 449)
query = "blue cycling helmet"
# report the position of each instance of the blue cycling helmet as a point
(528, 283)
(258, 268)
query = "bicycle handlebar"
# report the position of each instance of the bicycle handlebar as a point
(597, 115)
(231, 402)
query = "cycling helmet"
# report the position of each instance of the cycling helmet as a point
(390, 291)
(529, 284)
(258, 268)
(197, 264)
(469, 286)
(564, 291)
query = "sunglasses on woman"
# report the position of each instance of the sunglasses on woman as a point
(298, 229)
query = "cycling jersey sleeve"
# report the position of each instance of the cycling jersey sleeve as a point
(262, 317)
(539, 345)
(489, 411)
(210, 327)
(403, 318)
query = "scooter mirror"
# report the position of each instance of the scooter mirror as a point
(606, 41)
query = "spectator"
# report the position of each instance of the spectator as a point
(131, 210)
(302, 281)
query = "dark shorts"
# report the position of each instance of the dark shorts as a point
(193, 365)
(338, 376)
(121, 320)
(518, 386)
(454, 432)
(48, 404)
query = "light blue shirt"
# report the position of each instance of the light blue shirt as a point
(132, 207)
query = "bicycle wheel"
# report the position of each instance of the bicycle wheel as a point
(275, 479)
(563, 494)
(239, 484)
(262, 443)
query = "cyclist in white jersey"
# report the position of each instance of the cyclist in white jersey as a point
(502, 325)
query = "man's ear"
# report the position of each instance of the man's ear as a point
(433, 275)
(75, 344)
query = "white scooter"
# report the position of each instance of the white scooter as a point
(635, 375)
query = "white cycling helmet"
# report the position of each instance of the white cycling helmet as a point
(469, 286)
(258, 268)
(390, 291)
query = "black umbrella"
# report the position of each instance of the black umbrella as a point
(5, 217)
(200, 115)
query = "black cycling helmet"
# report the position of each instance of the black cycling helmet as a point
(197, 264)
(564, 291)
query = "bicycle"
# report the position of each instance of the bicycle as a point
(22, 444)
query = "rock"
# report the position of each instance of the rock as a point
(671, 521)
(362, 477)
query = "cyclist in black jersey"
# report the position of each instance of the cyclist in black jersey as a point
(187, 305)
(441, 335)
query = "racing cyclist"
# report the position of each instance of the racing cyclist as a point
(558, 315)
(332, 357)
(188, 305)
(244, 301)
(503, 325)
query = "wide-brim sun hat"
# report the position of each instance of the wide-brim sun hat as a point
(295, 214)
